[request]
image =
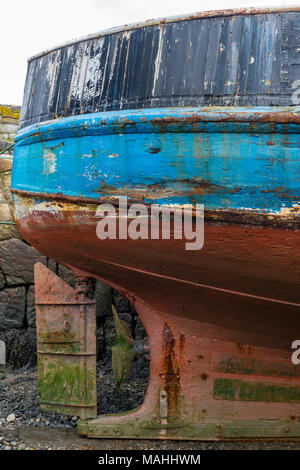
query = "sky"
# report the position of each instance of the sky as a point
(31, 26)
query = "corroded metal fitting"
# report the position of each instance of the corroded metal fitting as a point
(141, 347)
(83, 285)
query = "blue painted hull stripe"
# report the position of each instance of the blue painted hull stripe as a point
(167, 156)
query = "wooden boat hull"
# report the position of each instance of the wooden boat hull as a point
(221, 320)
(227, 353)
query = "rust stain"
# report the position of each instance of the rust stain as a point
(181, 345)
(238, 11)
(58, 337)
(281, 191)
(171, 372)
(279, 117)
(56, 146)
(160, 191)
(288, 219)
(155, 150)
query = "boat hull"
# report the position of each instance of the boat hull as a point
(222, 355)
(246, 57)
(241, 160)
(131, 114)
(221, 320)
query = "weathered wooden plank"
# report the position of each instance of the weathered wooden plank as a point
(222, 57)
(267, 56)
(227, 60)
(200, 56)
(233, 56)
(244, 59)
(212, 55)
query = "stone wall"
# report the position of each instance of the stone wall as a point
(9, 117)
(17, 259)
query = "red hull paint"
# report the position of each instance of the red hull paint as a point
(220, 322)
(243, 286)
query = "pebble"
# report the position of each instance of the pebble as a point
(10, 418)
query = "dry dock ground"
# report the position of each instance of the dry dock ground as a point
(24, 426)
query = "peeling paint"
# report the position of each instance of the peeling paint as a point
(162, 64)
(221, 158)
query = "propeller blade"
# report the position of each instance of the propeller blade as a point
(122, 351)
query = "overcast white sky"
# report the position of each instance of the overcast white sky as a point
(30, 26)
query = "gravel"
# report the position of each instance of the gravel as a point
(19, 402)
(33, 429)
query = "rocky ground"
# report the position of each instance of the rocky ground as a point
(19, 403)
(24, 427)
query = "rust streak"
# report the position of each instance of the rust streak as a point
(171, 373)
(289, 220)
